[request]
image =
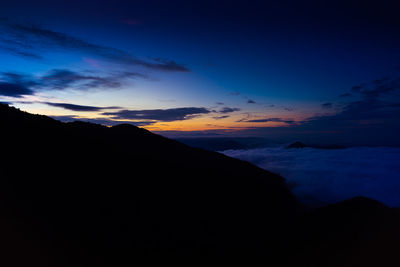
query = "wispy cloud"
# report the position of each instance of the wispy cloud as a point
(60, 79)
(228, 110)
(28, 40)
(14, 90)
(220, 117)
(165, 115)
(103, 121)
(327, 105)
(75, 107)
(269, 120)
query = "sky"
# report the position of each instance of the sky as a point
(316, 71)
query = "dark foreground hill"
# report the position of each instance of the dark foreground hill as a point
(80, 194)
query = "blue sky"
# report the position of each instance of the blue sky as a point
(264, 68)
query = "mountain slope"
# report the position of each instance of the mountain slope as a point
(106, 192)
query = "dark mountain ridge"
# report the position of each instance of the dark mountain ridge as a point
(81, 194)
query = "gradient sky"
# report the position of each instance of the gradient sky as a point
(318, 70)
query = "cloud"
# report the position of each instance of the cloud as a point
(62, 78)
(29, 39)
(59, 79)
(68, 106)
(102, 121)
(269, 120)
(327, 105)
(373, 119)
(380, 100)
(21, 53)
(74, 107)
(320, 176)
(166, 115)
(164, 64)
(219, 103)
(14, 90)
(220, 117)
(379, 88)
(251, 101)
(18, 78)
(228, 110)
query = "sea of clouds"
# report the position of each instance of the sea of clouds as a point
(321, 176)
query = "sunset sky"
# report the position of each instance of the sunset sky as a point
(248, 68)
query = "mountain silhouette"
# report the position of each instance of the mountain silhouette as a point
(82, 194)
(296, 144)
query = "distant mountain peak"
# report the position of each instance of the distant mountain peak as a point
(296, 144)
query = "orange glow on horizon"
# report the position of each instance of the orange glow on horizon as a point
(234, 121)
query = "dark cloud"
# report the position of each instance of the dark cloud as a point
(29, 39)
(59, 79)
(74, 107)
(374, 119)
(103, 121)
(18, 78)
(14, 90)
(269, 120)
(251, 101)
(327, 105)
(379, 88)
(173, 114)
(228, 110)
(21, 53)
(219, 103)
(220, 117)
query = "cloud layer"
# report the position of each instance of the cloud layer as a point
(320, 176)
